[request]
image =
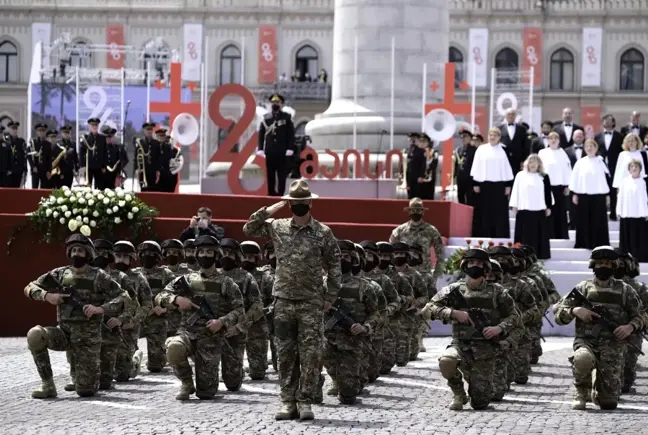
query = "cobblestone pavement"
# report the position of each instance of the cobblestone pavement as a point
(412, 400)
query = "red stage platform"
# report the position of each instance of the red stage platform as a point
(355, 219)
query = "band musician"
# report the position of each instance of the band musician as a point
(14, 158)
(69, 160)
(34, 148)
(92, 159)
(147, 159)
(171, 163)
(114, 158)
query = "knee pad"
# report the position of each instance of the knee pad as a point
(448, 366)
(37, 339)
(584, 360)
(176, 352)
(607, 404)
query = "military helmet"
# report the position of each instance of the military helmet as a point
(385, 247)
(78, 239)
(368, 245)
(124, 247)
(415, 247)
(606, 253)
(346, 245)
(149, 246)
(206, 242)
(496, 267)
(231, 245)
(401, 247)
(500, 251)
(359, 249)
(172, 244)
(189, 244)
(520, 255)
(103, 244)
(530, 252)
(250, 247)
(477, 254)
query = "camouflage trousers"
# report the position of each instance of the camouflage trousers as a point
(404, 339)
(417, 333)
(536, 345)
(82, 344)
(110, 344)
(232, 362)
(298, 340)
(606, 359)
(257, 349)
(521, 362)
(501, 368)
(476, 363)
(343, 365)
(206, 354)
(124, 364)
(173, 317)
(366, 351)
(273, 352)
(388, 358)
(375, 359)
(154, 329)
(630, 364)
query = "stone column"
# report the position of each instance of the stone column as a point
(421, 29)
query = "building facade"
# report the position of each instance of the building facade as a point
(304, 33)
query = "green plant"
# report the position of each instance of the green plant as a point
(453, 263)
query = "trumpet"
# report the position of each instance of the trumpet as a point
(56, 170)
(141, 163)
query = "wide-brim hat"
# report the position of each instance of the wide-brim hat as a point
(416, 204)
(299, 190)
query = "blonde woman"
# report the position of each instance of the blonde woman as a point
(632, 210)
(589, 184)
(558, 167)
(492, 178)
(531, 200)
(631, 151)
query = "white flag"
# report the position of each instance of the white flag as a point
(478, 57)
(43, 32)
(592, 54)
(192, 52)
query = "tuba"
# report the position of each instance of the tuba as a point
(403, 174)
(56, 170)
(140, 160)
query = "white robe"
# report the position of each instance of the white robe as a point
(622, 171)
(557, 165)
(491, 164)
(632, 199)
(528, 192)
(588, 177)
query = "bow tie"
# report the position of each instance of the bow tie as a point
(544, 136)
(578, 147)
(568, 125)
(511, 125)
(635, 126)
(608, 132)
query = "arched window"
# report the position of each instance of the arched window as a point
(230, 65)
(306, 61)
(156, 56)
(561, 75)
(8, 62)
(300, 130)
(455, 56)
(5, 120)
(507, 64)
(631, 76)
(80, 55)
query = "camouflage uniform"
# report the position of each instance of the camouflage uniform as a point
(594, 347)
(75, 332)
(344, 351)
(171, 250)
(190, 255)
(268, 303)
(303, 255)
(420, 299)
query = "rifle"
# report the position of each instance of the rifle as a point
(478, 317)
(605, 319)
(547, 318)
(182, 288)
(340, 314)
(74, 300)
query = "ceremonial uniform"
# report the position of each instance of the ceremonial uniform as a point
(92, 158)
(15, 158)
(171, 162)
(115, 154)
(34, 148)
(70, 163)
(415, 174)
(463, 158)
(148, 160)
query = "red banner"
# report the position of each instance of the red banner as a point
(267, 55)
(115, 40)
(532, 54)
(591, 119)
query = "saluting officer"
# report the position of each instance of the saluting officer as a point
(147, 159)
(34, 153)
(93, 155)
(276, 142)
(70, 164)
(16, 157)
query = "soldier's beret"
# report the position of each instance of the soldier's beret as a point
(368, 245)
(604, 253)
(171, 244)
(66, 128)
(52, 133)
(94, 121)
(519, 253)
(400, 247)
(476, 254)
(250, 247)
(189, 244)
(268, 246)
(103, 244)
(124, 247)
(415, 247)
(359, 249)
(346, 245)
(500, 251)
(385, 247)
(150, 246)
(495, 266)
(276, 98)
(13, 124)
(231, 244)
(205, 242)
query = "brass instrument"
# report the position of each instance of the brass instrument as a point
(57, 161)
(141, 164)
(83, 140)
(403, 174)
(34, 153)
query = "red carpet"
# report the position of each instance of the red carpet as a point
(355, 219)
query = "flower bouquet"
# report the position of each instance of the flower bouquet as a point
(93, 213)
(452, 268)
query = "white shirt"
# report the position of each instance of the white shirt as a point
(608, 139)
(568, 131)
(528, 192)
(545, 140)
(557, 165)
(511, 130)
(632, 200)
(491, 164)
(578, 152)
(622, 171)
(588, 177)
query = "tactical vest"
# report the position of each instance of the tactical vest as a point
(380, 296)
(352, 295)
(84, 284)
(614, 299)
(241, 279)
(485, 300)
(132, 275)
(212, 291)
(154, 280)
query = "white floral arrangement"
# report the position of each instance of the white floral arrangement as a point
(92, 212)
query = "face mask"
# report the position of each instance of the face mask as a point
(414, 261)
(300, 209)
(191, 259)
(78, 261)
(603, 273)
(346, 266)
(248, 266)
(206, 262)
(384, 264)
(475, 272)
(633, 273)
(122, 267)
(148, 261)
(227, 263)
(619, 272)
(173, 260)
(400, 261)
(273, 263)
(369, 266)
(416, 217)
(356, 269)
(513, 270)
(100, 262)
(275, 107)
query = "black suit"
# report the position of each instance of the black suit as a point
(560, 129)
(626, 129)
(571, 153)
(517, 147)
(611, 156)
(538, 145)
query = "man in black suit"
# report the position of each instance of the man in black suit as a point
(610, 144)
(566, 128)
(514, 137)
(635, 126)
(541, 142)
(576, 151)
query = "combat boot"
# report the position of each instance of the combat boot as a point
(70, 387)
(580, 399)
(186, 390)
(137, 363)
(288, 411)
(421, 345)
(46, 390)
(305, 411)
(458, 401)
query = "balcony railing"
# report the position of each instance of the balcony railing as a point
(488, 6)
(294, 91)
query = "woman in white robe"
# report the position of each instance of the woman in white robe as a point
(631, 151)
(492, 179)
(557, 166)
(632, 210)
(589, 183)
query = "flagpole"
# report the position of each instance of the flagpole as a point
(355, 95)
(30, 91)
(148, 91)
(531, 78)
(202, 122)
(123, 94)
(492, 98)
(393, 85)
(473, 99)
(76, 109)
(423, 96)
(243, 61)
(205, 141)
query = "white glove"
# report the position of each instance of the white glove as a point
(82, 173)
(289, 153)
(260, 153)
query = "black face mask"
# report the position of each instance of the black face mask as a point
(399, 261)
(248, 265)
(346, 266)
(173, 260)
(384, 264)
(414, 261)
(603, 273)
(148, 261)
(475, 272)
(191, 259)
(633, 273)
(619, 272)
(369, 266)
(416, 216)
(122, 267)
(300, 209)
(513, 270)
(275, 108)
(78, 261)
(100, 262)
(356, 269)
(227, 263)
(206, 262)
(273, 263)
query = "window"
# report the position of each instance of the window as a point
(456, 57)
(80, 55)
(306, 61)
(300, 130)
(156, 55)
(5, 120)
(507, 65)
(561, 75)
(8, 62)
(632, 71)
(230, 65)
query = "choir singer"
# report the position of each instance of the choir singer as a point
(556, 164)
(632, 210)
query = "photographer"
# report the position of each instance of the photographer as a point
(201, 225)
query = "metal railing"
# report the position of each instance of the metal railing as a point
(294, 91)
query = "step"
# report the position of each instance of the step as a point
(555, 243)
(612, 225)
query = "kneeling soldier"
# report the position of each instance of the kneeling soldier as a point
(173, 254)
